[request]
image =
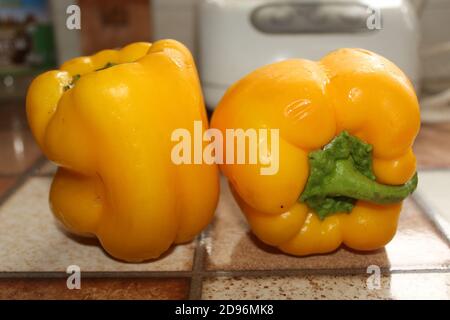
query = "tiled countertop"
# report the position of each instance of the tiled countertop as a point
(226, 261)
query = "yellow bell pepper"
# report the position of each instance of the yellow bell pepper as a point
(365, 111)
(106, 121)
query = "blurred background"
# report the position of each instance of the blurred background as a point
(228, 38)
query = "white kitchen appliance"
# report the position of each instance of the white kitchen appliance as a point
(238, 36)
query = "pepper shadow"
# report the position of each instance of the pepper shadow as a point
(93, 241)
(357, 261)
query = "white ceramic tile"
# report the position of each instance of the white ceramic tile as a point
(31, 240)
(433, 193)
(395, 286)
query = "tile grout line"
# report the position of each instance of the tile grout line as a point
(434, 168)
(198, 268)
(22, 178)
(195, 286)
(217, 273)
(316, 272)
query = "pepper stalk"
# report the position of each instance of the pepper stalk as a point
(341, 174)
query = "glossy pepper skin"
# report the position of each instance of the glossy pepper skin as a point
(106, 121)
(311, 102)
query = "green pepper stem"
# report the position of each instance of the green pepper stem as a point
(348, 181)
